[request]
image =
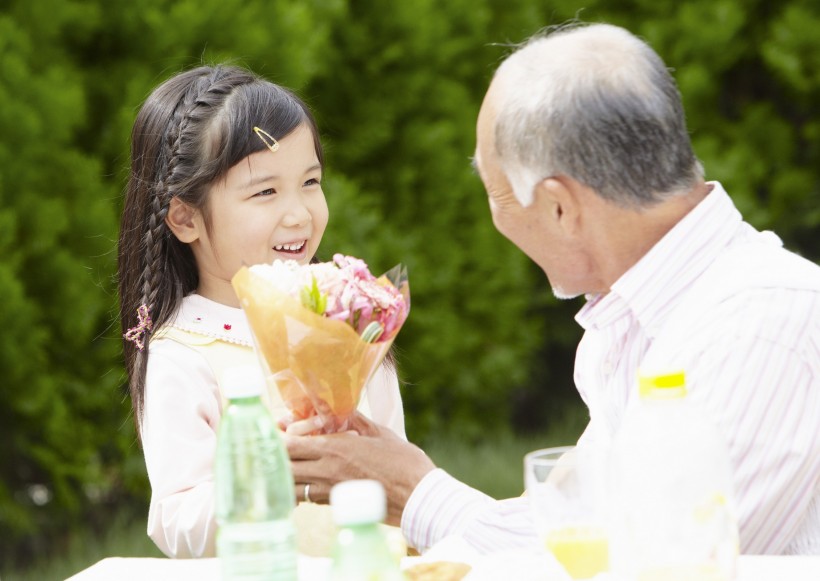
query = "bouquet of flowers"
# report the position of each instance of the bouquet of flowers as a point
(322, 329)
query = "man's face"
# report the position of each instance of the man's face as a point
(534, 229)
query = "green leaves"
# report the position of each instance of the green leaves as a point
(313, 299)
(396, 94)
(57, 223)
(791, 47)
(372, 332)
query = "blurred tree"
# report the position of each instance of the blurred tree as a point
(396, 91)
(60, 383)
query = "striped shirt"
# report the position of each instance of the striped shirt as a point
(742, 316)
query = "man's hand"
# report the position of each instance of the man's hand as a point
(366, 451)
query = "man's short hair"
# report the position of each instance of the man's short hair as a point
(595, 103)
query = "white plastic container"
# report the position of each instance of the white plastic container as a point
(672, 503)
(362, 551)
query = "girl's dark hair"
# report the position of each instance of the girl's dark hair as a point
(191, 130)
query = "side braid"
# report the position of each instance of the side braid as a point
(154, 241)
(154, 238)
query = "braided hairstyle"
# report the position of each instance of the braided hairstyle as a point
(189, 132)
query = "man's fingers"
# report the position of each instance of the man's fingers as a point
(316, 457)
(303, 447)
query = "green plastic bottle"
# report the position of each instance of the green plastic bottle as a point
(362, 552)
(254, 486)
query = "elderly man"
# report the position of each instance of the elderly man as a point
(583, 149)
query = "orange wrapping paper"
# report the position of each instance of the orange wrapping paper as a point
(319, 365)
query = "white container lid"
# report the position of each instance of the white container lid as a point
(358, 502)
(243, 381)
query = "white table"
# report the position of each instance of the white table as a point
(131, 569)
(751, 568)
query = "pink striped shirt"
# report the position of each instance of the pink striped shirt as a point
(742, 317)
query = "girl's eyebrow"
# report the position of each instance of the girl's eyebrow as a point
(271, 177)
(259, 180)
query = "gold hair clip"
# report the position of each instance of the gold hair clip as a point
(265, 136)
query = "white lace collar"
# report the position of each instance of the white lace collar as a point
(206, 317)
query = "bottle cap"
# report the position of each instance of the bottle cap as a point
(358, 502)
(663, 385)
(243, 381)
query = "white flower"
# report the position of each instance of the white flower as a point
(284, 275)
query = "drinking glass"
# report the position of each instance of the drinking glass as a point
(566, 488)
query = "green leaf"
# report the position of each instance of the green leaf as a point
(372, 332)
(313, 299)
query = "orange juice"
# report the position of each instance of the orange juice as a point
(583, 551)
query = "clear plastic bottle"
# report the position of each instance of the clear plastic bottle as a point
(672, 504)
(254, 486)
(362, 551)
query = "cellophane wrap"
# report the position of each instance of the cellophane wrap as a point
(320, 366)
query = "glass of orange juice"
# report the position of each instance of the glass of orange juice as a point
(566, 491)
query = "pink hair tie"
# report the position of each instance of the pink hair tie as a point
(137, 333)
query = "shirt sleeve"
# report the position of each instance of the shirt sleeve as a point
(182, 410)
(441, 506)
(759, 381)
(384, 398)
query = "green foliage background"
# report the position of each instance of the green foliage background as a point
(396, 87)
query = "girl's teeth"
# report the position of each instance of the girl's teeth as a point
(289, 247)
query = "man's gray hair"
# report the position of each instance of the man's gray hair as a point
(596, 104)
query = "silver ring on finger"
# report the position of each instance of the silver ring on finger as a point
(307, 493)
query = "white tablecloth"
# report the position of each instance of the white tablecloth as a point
(751, 568)
(519, 565)
(130, 569)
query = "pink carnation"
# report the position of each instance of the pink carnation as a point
(352, 293)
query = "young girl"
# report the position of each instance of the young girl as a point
(206, 195)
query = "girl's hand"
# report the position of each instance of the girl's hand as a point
(322, 422)
(308, 427)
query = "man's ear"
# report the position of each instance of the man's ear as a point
(558, 196)
(181, 219)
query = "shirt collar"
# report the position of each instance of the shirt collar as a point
(206, 317)
(649, 288)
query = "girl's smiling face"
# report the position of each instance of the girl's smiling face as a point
(270, 205)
